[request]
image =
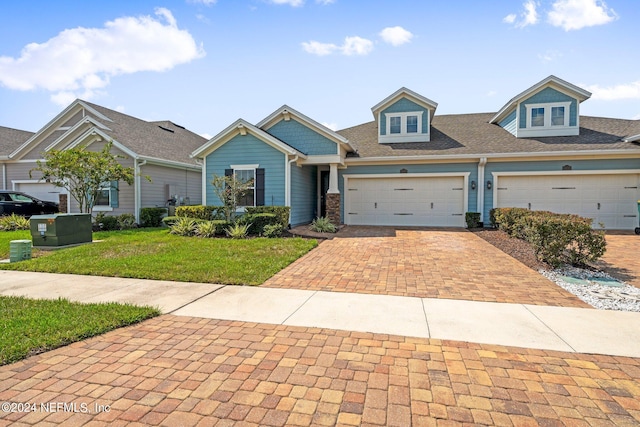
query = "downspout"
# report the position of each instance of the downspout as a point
(137, 201)
(287, 182)
(203, 177)
(480, 201)
(4, 176)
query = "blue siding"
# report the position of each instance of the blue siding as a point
(549, 95)
(303, 138)
(509, 123)
(243, 150)
(554, 165)
(403, 105)
(426, 168)
(303, 194)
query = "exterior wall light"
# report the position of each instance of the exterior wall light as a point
(473, 185)
(488, 185)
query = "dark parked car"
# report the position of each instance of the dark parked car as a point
(15, 202)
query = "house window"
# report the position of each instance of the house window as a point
(557, 116)
(247, 176)
(395, 124)
(537, 117)
(104, 195)
(412, 124)
(546, 116)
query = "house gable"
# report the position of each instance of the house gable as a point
(404, 116)
(549, 108)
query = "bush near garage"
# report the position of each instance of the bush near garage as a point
(281, 213)
(556, 238)
(257, 222)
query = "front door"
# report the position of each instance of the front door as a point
(324, 187)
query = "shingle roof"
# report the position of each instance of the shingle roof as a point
(161, 139)
(10, 139)
(472, 134)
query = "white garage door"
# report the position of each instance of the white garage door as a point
(413, 201)
(40, 190)
(608, 199)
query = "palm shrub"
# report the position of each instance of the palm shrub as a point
(184, 227)
(323, 225)
(238, 230)
(13, 222)
(206, 229)
(126, 221)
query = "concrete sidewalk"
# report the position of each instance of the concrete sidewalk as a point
(530, 326)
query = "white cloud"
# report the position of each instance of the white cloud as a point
(79, 62)
(204, 2)
(332, 126)
(550, 55)
(528, 17)
(325, 2)
(612, 93)
(320, 49)
(293, 3)
(510, 18)
(577, 14)
(396, 36)
(492, 93)
(352, 46)
(356, 46)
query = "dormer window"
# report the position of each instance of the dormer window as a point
(404, 123)
(546, 116)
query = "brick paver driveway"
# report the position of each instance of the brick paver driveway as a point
(427, 263)
(622, 258)
(180, 371)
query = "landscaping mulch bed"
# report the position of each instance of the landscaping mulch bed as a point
(518, 249)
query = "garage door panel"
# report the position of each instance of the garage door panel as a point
(608, 199)
(425, 201)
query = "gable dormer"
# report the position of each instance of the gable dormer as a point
(404, 116)
(551, 107)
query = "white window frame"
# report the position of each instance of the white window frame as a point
(547, 115)
(246, 168)
(404, 136)
(107, 207)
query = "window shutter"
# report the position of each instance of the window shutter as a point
(259, 187)
(114, 194)
(228, 172)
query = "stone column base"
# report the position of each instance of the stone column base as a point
(333, 208)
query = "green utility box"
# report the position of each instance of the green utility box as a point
(19, 250)
(60, 229)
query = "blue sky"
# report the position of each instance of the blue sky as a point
(204, 63)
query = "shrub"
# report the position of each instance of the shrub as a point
(211, 228)
(238, 230)
(556, 238)
(281, 212)
(14, 222)
(184, 227)
(322, 225)
(152, 217)
(258, 221)
(126, 221)
(472, 219)
(106, 222)
(272, 230)
(200, 212)
(169, 220)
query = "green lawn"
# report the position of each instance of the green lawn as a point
(156, 254)
(33, 326)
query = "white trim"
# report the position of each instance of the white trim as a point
(75, 127)
(204, 183)
(102, 208)
(170, 163)
(107, 138)
(244, 167)
(497, 175)
(323, 160)
(253, 168)
(480, 187)
(632, 138)
(403, 92)
(404, 136)
(463, 175)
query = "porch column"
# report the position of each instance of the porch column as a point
(333, 195)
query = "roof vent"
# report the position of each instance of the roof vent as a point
(167, 129)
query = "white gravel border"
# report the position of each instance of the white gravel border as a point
(624, 298)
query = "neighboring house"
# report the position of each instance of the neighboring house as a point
(158, 150)
(412, 167)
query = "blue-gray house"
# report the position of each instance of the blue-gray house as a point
(412, 167)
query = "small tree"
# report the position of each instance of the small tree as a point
(83, 173)
(229, 190)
